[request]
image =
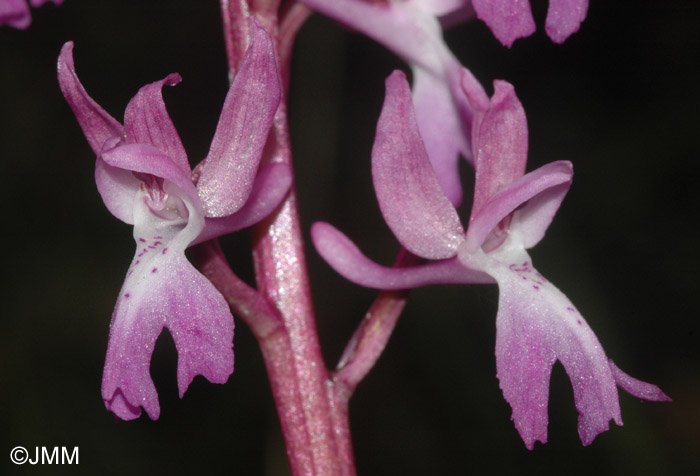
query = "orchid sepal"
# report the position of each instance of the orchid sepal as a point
(346, 259)
(409, 194)
(97, 124)
(229, 170)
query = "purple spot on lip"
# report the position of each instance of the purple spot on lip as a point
(164, 250)
(127, 295)
(154, 270)
(570, 309)
(579, 322)
(536, 287)
(142, 240)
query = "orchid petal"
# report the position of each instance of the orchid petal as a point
(507, 19)
(146, 159)
(98, 126)
(344, 257)
(544, 188)
(639, 389)
(165, 291)
(271, 186)
(441, 128)
(15, 13)
(499, 139)
(536, 326)
(229, 170)
(564, 18)
(146, 121)
(410, 197)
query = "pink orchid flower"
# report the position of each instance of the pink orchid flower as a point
(15, 13)
(536, 323)
(512, 19)
(144, 177)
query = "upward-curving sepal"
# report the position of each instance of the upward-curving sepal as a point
(410, 197)
(98, 126)
(229, 170)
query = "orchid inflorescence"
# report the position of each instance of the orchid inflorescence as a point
(145, 179)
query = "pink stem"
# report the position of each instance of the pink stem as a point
(315, 429)
(268, 327)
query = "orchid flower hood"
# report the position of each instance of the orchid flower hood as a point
(144, 177)
(536, 323)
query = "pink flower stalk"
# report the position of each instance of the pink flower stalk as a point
(512, 19)
(144, 177)
(15, 13)
(536, 324)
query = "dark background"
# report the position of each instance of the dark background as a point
(620, 99)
